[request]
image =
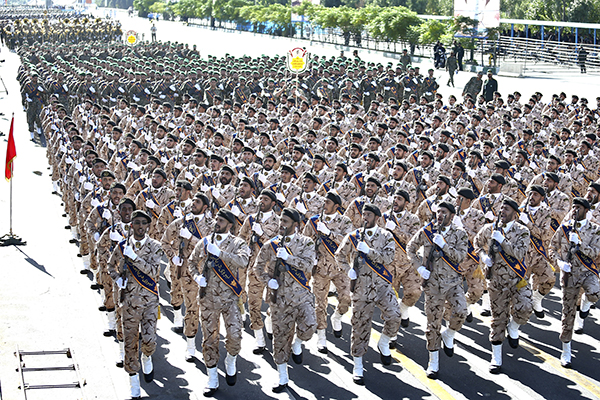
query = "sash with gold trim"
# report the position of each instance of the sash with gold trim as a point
(359, 179)
(462, 154)
(379, 269)
(554, 224)
(359, 206)
(240, 93)
(585, 260)
(237, 203)
(484, 202)
(537, 242)
(329, 243)
(400, 243)
(192, 227)
(296, 273)
(224, 273)
(429, 232)
(517, 266)
(149, 196)
(143, 279)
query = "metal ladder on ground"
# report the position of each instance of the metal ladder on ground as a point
(22, 369)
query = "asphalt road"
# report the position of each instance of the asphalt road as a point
(46, 304)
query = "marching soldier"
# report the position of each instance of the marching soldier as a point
(135, 267)
(439, 266)
(328, 229)
(155, 197)
(371, 248)
(575, 246)
(284, 264)
(502, 246)
(214, 264)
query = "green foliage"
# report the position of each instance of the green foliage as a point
(431, 31)
(393, 24)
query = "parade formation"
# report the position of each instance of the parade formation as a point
(255, 185)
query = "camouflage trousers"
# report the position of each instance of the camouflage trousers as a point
(570, 298)
(211, 309)
(507, 300)
(366, 296)
(541, 273)
(185, 290)
(70, 207)
(437, 299)
(139, 317)
(475, 280)
(296, 315)
(321, 289)
(255, 299)
(107, 282)
(410, 280)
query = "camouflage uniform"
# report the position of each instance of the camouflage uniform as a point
(537, 264)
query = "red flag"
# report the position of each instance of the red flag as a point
(11, 152)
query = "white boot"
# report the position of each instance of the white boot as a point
(260, 341)
(121, 354)
(55, 186)
(336, 324)
(565, 357)
(496, 362)
(213, 381)
(297, 350)
(230, 369)
(485, 305)
(283, 378)
(537, 304)
(578, 325)
(191, 349)
(177, 321)
(134, 384)
(112, 320)
(74, 232)
(513, 333)
(321, 341)
(434, 364)
(358, 371)
(448, 339)
(269, 325)
(147, 368)
(585, 304)
(384, 349)
(86, 263)
(404, 311)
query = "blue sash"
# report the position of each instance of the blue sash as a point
(471, 252)
(224, 273)
(484, 202)
(517, 266)
(462, 154)
(359, 179)
(192, 227)
(400, 244)
(359, 206)
(378, 268)
(143, 279)
(329, 243)
(585, 260)
(297, 274)
(554, 224)
(171, 208)
(429, 232)
(537, 242)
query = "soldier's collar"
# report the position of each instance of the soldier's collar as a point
(220, 238)
(371, 231)
(266, 216)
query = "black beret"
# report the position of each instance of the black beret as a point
(554, 176)
(444, 179)
(403, 193)
(249, 181)
(503, 164)
(217, 157)
(269, 193)
(488, 143)
(466, 193)
(291, 214)
(428, 154)
(476, 154)
(586, 143)
(595, 186)
(331, 195)
(228, 169)
(498, 178)
(372, 208)
(374, 180)
(107, 174)
(202, 197)
(308, 175)
(226, 214)
(444, 147)
(460, 165)
(524, 153)
(137, 143)
(118, 185)
(511, 203)
(190, 142)
(403, 165)
(184, 184)
(161, 172)
(539, 189)
(448, 206)
(288, 168)
(581, 202)
(374, 157)
(141, 214)
(127, 200)
(342, 166)
(300, 149)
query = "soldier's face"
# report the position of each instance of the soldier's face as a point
(507, 213)
(444, 216)
(245, 190)
(106, 182)
(456, 172)
(222, 225)
(140, 227)
(265, 204)
(157, 181)
(399, 203)
(369, 219)
(370, 189)
(125, 211)
(329, 207)
(308, 185)
(225, 177)
(535, 199)
(591, 195)
(578, 212)
(198, 206)
(286, 226)
(116, 194)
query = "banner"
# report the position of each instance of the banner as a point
(487, 12)
(11, 152)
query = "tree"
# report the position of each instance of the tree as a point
(431, 31)
(393, 24)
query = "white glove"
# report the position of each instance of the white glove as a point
(517, 176)
(390, 225)
(472, 173)
(177, 165)
(352, 274)
(214, 250)
(96, 237)
(164, 160)
(177, 213)
(321, 227)
(257, 229)
(273, 284)
(177, 261)
(580, 167)
(564, 266)
(424, 272)
(106, 214)
(439, 240)
(115, 236)
(301, 208)
(204, 188)
(78, 166)
(574, 238)
(363, 247)
(185, 233)
(88, 186)
(128, 252)
(189, 175)
(498, 236)
(489, 216)
(524, 218)
(283, 254)
(216, 193)
(263, 178)
(280, 197)
(453, 192)
(235, 210)
(121, 283)
(150, 203)
(201, 281)
(94, 203)
(486, 260)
